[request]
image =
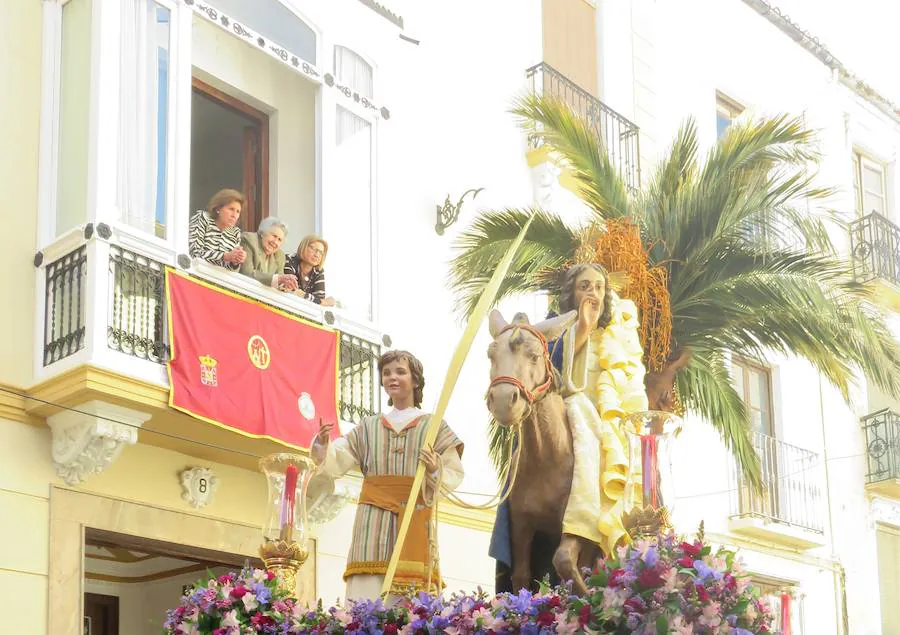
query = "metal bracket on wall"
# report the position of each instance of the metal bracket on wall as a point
(448, 213)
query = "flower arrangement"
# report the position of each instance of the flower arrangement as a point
(659, 587)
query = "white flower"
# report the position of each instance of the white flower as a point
(250, 602)
(230, 620)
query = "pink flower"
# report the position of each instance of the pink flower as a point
(711, 615)
(567, 626)
(670, 579)
(615, 598)
(484, 616)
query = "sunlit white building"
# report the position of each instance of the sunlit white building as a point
(358, 120)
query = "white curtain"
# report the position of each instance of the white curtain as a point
(353, 71)
(138, 77)
(349, 266)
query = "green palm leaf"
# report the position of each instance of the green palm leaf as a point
(745, 241)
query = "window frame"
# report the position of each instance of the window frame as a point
(861, 161)
(745, 366)
(730, 108)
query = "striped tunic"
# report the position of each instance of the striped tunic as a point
(210, 243)
(312, 284)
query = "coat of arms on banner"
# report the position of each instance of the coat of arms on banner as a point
(258, 351)
(306, 406)
(208, 375)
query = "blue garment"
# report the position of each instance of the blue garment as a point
(500, 548)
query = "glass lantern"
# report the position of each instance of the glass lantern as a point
(286, 527)
(649, 490)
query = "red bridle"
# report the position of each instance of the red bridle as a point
(530, 395)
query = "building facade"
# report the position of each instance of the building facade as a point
(359, 121)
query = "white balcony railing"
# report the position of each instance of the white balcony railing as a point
(791, 494)
(104, 303)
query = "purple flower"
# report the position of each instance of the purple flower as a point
(705, 572)
(651, 557)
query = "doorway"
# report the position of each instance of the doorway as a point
(131, 582)
(101, 614)
(229, 149)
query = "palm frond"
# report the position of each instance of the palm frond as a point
(581, 148)
(546, 247)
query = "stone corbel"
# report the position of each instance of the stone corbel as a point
(87, 439)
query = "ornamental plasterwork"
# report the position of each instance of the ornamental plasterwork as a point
(87, 439)
(198, 484)
(545, 180)
(886, 511)
(327, 497)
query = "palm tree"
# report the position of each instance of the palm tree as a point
(750, 269)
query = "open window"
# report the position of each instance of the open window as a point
(229, 148)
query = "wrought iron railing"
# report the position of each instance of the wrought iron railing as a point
(136, 314)
(64, 306)
(882, 446)
(875, 248)
(619, 135)
(791, 493)
(359, 383)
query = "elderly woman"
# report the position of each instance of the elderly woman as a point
(214, 235)
(308, 265)
(265, 260)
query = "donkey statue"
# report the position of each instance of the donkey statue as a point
(524, 394)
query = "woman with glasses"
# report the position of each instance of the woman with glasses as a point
(308, 266)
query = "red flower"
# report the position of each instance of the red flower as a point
(584, 615)
(261, 621)
(650, 579)
(238, 592)
(270, 575)
(685, 563)
(390, 628)
(730, 582)
(545, 618)
(702, 595)
(615, 577)
(634, 604)
(554, 602)
(226, 579)
(693, 550)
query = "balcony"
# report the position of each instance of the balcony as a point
(882, 430)
(788, 509)
(875, 253)
(104, 345)
(618, 134)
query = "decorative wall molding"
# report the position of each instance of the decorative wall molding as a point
(278, 52)
(198, 485)
(545, 182)
(88, 439)
(886, 511)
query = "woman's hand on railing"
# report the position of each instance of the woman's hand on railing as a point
(286, 282)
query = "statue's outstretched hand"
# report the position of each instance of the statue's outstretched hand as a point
(589, 313)
(320, 443)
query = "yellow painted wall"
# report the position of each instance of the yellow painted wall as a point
(20, 40)
(570, 40)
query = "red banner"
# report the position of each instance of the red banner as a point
(245, 366)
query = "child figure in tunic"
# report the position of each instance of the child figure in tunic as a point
(387, 449)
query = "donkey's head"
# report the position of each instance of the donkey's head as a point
(520, 366)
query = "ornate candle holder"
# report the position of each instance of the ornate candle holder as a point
(286, 530)
(649, 490)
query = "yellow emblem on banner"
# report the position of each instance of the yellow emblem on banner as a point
(258, 351)
(208, 374)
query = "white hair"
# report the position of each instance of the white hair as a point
(271, 222)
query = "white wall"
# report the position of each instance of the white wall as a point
(726, 46)
(221, 59)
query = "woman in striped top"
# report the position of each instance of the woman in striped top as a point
(214, 235)
(308, 264)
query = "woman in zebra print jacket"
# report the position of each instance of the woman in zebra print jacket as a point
(214, 235)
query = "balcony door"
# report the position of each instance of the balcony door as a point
(753, 383)
(229, 149)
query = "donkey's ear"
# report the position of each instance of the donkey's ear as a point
(520, 318)
(496, 322)
(554, 327)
